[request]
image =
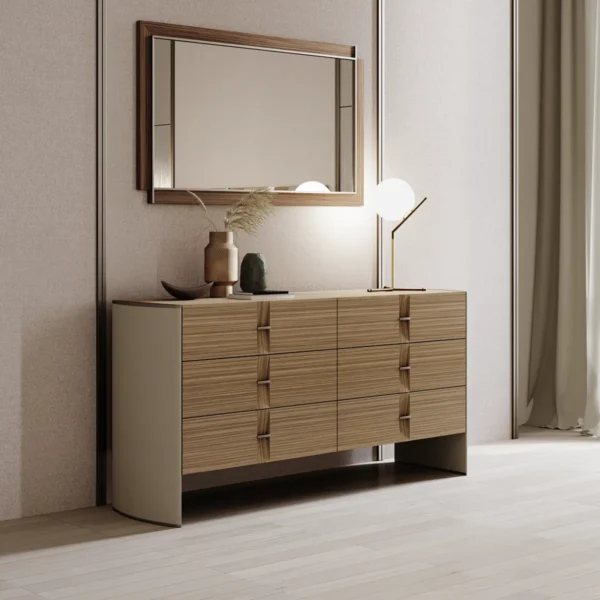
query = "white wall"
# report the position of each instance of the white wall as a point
(47, 255)
(448, 132)
(248, 118)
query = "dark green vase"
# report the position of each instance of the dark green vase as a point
(253, 275)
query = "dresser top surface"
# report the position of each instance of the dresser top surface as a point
(333, 294)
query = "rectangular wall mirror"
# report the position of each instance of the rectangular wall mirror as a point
(222, 113)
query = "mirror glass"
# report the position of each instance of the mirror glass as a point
(237, 118)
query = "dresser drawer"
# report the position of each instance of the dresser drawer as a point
(212, 387)
(299, 325)
(230, 385)
(438, 316)
(302, 378)
(218, 331)
(373, 421)
(437, 365)
(258, 328)
(373, 321)
(219, 442)
(373, 371)
(437, 413)
(303, 431)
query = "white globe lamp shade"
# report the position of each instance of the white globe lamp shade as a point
(313, 186)
(394, 198)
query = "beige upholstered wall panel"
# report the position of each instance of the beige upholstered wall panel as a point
(47, 255)
(305, 248)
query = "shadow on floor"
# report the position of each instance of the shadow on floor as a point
(207, 504)
(67, 531)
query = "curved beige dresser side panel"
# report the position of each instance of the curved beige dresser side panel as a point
(146, 409)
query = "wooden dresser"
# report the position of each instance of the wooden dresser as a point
(215, 383)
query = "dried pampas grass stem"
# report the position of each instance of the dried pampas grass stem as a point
(250, 213)
(200, 203)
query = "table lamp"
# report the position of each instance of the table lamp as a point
(395, 200)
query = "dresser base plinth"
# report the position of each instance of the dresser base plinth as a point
(124, 514)
(448, 453)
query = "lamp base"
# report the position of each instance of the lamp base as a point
(396, 289)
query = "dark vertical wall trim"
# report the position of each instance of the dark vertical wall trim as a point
(101, 332)
(514, 116)
(378, 450)
(172, 114)
(380, 66)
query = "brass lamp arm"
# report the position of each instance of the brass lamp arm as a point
(406, 218)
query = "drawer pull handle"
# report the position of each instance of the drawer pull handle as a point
(263, 328)
(404, 368)
(404, 319)
(264, 382)
(264, 436)
(405, 417)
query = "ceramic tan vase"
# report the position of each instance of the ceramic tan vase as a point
(221, 263)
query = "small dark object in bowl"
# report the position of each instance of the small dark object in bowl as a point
(253, 275)
(187, 293)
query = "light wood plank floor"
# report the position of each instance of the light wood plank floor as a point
(525, 524)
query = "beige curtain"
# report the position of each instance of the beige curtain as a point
(558, 359)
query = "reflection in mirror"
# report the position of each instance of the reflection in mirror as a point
(237, 118)
(163, 114)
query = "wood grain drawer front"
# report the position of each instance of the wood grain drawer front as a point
(438, 316)
(373, 321)
(373, 421)
(303, 431)
(226, 385)
(437, 365)
(219, 331)
(300, 325)
(372, 371)
(437, 413)
(219, 442)
(302, 378)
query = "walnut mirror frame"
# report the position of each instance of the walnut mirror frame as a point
(148, 32)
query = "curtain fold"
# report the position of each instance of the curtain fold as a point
(558, 364)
